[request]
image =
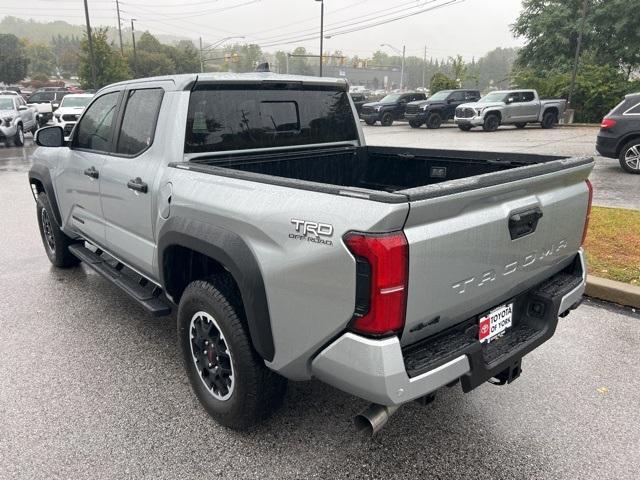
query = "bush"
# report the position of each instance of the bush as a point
(441, 82)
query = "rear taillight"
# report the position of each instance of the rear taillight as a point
(382, 268)
(586, 220)
(608, 123)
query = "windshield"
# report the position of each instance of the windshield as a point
(228, 117)
(6, 104)
(75, 101)
(441, 95)
(493, 97)
(394, 97)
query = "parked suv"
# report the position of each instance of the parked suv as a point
(46, 101)
(509, 107)
(439, 107)
(619, 135)
(70, 110)
(390, 108)
(292, 250)
(16, 118)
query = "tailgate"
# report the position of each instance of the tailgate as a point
(463, 260)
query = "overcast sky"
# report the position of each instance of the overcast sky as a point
(468, 27)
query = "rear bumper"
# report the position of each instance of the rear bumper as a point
(607, 146)
(381, 371)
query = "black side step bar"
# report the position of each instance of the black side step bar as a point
(142, 291)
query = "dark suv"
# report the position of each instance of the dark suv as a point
(439, 107)
(619, 135)
(390, 108)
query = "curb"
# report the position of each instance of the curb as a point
(612, 291)
(594, 125)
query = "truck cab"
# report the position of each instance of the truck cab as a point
(438, 108)
(390, 108)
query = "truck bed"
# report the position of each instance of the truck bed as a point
(380, 169)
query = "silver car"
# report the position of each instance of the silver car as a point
(16, 117)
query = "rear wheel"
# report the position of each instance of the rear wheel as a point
(415, 124)
(18, 139)
(387, 119)
(464, 128)
(521, 125)
(227, 375)
(434, 120)
(630, 157)
(549, 119)
(491, 123)
(55, 242)
(370, 122)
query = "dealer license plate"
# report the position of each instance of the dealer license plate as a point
(493, 324)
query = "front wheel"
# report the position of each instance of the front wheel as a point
(227, 375)
(415, 124)
(55, 242)
(491, 123)
(434, 120)
(18, 139)
(630, 157)
(387, 119)
(370, 122)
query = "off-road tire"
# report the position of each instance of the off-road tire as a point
(415, 124)
(434, 120)
(491, 123)
(387, 119)
(18, 138)
(370, 122)
(55, 242)
(630, 157)
(521, 125)
(465, 128)
(549, 119)
(256, 391)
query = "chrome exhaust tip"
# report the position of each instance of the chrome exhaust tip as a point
(371, 420)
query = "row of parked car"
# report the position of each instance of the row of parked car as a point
(18, 116)
(466, 108)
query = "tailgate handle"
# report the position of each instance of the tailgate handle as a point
(524, 222)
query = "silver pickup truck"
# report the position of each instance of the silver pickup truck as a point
(509, 107)
(291, 250)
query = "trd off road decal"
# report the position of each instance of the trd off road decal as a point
(313, 232)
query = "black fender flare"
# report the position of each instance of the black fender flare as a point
(232, 252)
(41, 174)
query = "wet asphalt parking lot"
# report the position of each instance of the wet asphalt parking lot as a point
(92, 387)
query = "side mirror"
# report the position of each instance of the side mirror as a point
(22, 107)
(50, 137)
(509, 100)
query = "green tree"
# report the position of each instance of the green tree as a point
(440, 81)
(152, 57)
(185, 56)
(110, 66)
(551, 27)
(13, 59)
(300, 65)
(41, 59)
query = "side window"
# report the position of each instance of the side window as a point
(94, 131)
(516, 96)
(527, 96)
(634, 110)
(471, 95)
(139, 121)
(457, 96)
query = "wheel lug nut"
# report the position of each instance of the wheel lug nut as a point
(210, 365)
(206, 342)
(204, 351)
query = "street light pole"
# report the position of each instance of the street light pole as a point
(92, 58)
(578, 47)
(397, 50)
(321, 31)
(135, 53)
(119, 27)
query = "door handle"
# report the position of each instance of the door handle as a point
(92, 172)
(524, 222)
(138, 185)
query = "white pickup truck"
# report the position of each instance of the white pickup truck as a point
(509, 107)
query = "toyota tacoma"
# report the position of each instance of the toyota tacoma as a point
(292, 250)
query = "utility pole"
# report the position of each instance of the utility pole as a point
(424, 67)
(201, 57)
(404, 48)
(119, 27)
(135, 53)
(90, 39)
(288, 63)
(578, 47)
(321, 31)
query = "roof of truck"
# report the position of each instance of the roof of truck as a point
(186, 81)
